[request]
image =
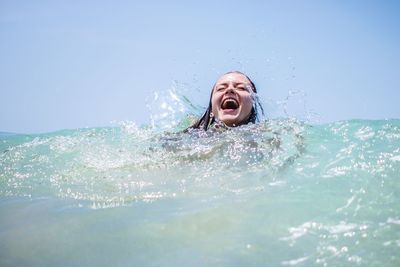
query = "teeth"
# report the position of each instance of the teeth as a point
(230, 99)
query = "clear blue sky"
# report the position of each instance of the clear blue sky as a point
(72, 64)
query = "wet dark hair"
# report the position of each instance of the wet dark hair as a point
(206, 120)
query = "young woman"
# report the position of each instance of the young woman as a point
(233, 102)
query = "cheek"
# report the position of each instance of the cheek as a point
(215, 103)
(247, 103)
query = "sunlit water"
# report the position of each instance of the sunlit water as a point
(279, 193)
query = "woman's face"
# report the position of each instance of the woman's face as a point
(232, 99)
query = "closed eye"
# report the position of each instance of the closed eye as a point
(221, 87)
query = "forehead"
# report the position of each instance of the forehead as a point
(232, 77)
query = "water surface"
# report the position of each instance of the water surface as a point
(280, 193)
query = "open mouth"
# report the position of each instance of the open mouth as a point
(230, 103)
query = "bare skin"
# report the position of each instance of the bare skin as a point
(232, 99)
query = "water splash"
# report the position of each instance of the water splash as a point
(168, 108)
(295, 105)
(105, 164)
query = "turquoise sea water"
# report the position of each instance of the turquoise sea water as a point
(280, 193)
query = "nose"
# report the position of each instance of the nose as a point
(230, 89)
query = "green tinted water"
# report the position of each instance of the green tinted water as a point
(275, 194)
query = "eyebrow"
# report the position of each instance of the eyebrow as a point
(225, 84)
